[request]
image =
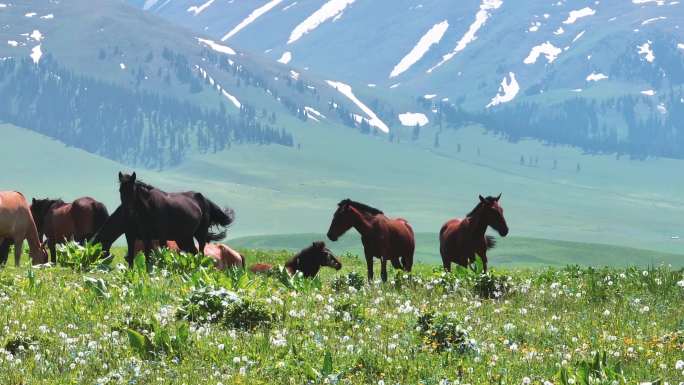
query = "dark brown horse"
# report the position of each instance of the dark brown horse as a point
(461, 239)
(309, 261)
(148, 213)
(60, 221)
(382, 237)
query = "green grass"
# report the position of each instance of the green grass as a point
(63, 327)
(511, 252)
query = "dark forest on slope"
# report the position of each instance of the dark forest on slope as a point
(127, 125)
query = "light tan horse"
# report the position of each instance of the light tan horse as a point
(16, 224)
(224, 256)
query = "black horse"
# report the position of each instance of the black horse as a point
(148, 214)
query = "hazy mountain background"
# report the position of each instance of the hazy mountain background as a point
(572, 109)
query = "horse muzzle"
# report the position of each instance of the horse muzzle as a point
(503, 232)
(332, 237)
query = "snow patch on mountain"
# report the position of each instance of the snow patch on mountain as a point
(595, 77)
(661, 108)
(346, 90)
(49, 16)
(680, 46)
(507, 91)
(432, 37)
(36, 35)
(411, 119)
(471, 35)
(36, 54)
(646, 52)
(559, 31)
(12, 43)
(257, 13)
(285, 58)
(149, 4)
(289, 6)
(657, 2)
(30, 14)
(330, 10)
(313, 114)
(547, 49)
(653, 20)
(575, 15)
(217, 47)
(197, 9)
(648, 92)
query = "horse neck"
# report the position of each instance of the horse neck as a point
(32, 238)
(478, 224)
(295, 264)
(361, 221)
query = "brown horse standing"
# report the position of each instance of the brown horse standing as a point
(60, 221)
(382, 237)
(460, 240)
(16, 224)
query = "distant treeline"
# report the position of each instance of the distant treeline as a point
(615, 126)
(127, 125)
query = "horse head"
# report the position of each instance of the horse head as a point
(39, 209)
(343, 220)
(127, 190)
(493, 214)
(325, 257)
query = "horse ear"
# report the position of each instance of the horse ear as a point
(120, 177)
(33, 201)
(133, 177)
(482, 199)
(319, 245)
(498, 198)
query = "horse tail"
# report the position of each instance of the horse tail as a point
(490, 242)
(218, 217)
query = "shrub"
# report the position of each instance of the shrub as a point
(159, 341)
(595, 372)
(83, 258)
(344, 282)
(443, 332)
(490, 286)
(179, 263)
(210, 304)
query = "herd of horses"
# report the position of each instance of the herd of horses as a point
(150, 218)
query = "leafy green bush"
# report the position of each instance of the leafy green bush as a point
(211, 304)
(83, 258)
(207, 304)
(160, 341)
(443, 332)
(248, 315)
(595, 372)
(179, 263)
(490, 286)
(344, 282)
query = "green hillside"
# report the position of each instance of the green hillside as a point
(278, 190)
(512, 252)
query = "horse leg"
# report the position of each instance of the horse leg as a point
(187, 246)
(396, 263)
(18, 249)
(369, 266)
(483, 255)
(53, 250)
(4, 250)
(383, 269)
(130, 240)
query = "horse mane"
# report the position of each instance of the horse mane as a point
(360, 206)
(490, 200)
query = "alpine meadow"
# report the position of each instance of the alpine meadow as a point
(384, 192)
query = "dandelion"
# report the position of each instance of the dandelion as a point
(606, 312)
(526, 381)
(679, 365)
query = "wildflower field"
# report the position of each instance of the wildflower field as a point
(176, 320)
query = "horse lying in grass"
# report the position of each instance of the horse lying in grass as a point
(461, 239)
(60, 221)
(308, 261)
(16, 225)
(223, 256)
(382, 237)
